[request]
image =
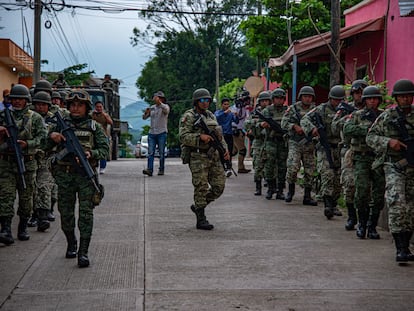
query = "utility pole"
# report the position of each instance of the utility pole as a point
(217, 76)
(335, 33)
(259, 60)
(37, 40)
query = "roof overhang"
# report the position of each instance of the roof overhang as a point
(314, 49)
(15, 57)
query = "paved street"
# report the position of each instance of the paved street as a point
(147, 255)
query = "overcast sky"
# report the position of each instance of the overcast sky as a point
(102, 40)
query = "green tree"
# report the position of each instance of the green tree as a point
(74, 75)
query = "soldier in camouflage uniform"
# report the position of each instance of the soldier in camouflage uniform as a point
(301, 148)
(71, 183)
(388, 137)
(31, 132)
(44, 179)
(330, 186)
(369, 181)
(207, 172)
(275, 147)
(347, 167)
(257, 135)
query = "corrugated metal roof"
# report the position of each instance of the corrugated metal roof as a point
(406, 7)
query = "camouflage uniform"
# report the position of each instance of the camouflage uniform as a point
(330, 186)
(369, 182)
(32, 130)
(301, 150)
(277, 151)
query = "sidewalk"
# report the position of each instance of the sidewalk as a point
(147, 255)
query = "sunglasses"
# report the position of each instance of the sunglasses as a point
(78, 95)
(204, 100)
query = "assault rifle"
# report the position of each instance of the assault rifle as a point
(399, 125)
(345, 107)
(74, 149)
(306, 139)
(215, 144)
(274, 125)
(369, 115)
(323, 138)
(14, 145)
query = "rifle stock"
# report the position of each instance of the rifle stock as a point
(14, 145)
(274, 125)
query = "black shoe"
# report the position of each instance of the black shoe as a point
(204, 225)
(32, 222)
(350, 224)
(83, 261)
(309, 201)
(160, 173)
(147, 172)
(50, 216)
(361, 231)
(280, 195)
(22, 233)
(372, 233)
(328, 213)
(43, 225)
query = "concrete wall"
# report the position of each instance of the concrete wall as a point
(7, 77)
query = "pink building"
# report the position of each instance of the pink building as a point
(377, 41)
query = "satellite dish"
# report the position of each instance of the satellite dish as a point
(254, 85)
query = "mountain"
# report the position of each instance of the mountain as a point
(132, 114)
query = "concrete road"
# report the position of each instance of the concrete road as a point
(147, 255)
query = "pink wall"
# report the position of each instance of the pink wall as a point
(400, 44)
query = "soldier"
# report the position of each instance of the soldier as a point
(104, 119)
(31, 132)
(317, 123)
(369, 180)
(56, 102)
(44, 179)
(275, 147)
(347, 169)
(108, 83)
(257, 135)
(60, 82)
(206, 170)
(391, 136)
(301, 149)
(70, 181)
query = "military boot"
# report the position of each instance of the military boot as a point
(5, 233)
(329, 207)
(361, 230)
(407, 237)
(401, 255)
(22, 233)
(279, 193)
(372, 227)
(71, 250)
(43, 223)
(291, 193)
(202, 222)
(258, 187)
(83, 260)
(307, 199)
(33, 219)
(50, 215)
(271, 188)
(352, 217)
(337, 211)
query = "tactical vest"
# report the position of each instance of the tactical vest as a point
(359, 144)
(392, 132)
(277, 115)
(328, 114)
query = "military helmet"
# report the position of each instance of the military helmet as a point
(80, 95)
(43, 85)
(358, 85)
(42, 97)
(278, 93)
(201, 93)
(337, 92)
(56, 95)
(403, 86)
(371, 91)
(264, 95)
(306, 90)
(20, 91)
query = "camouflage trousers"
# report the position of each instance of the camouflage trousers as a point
(10, 182)
(347, 176)
(275, 167)
(44, 186)
(207, 177)
(399, 196)
(299, 155)
(330, 185)
(259, 160)
(71, 185)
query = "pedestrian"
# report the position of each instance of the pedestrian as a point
(100, 116)
(301, 149)
(275, 145)
(390, 137)
(318, 124)
(239, 144)
(206, 169)
(6, 100)
(30, 133)
(347, 165)
(157, 136)
(369, 178)
(257, 135)
(225, 118)
(71, 182)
